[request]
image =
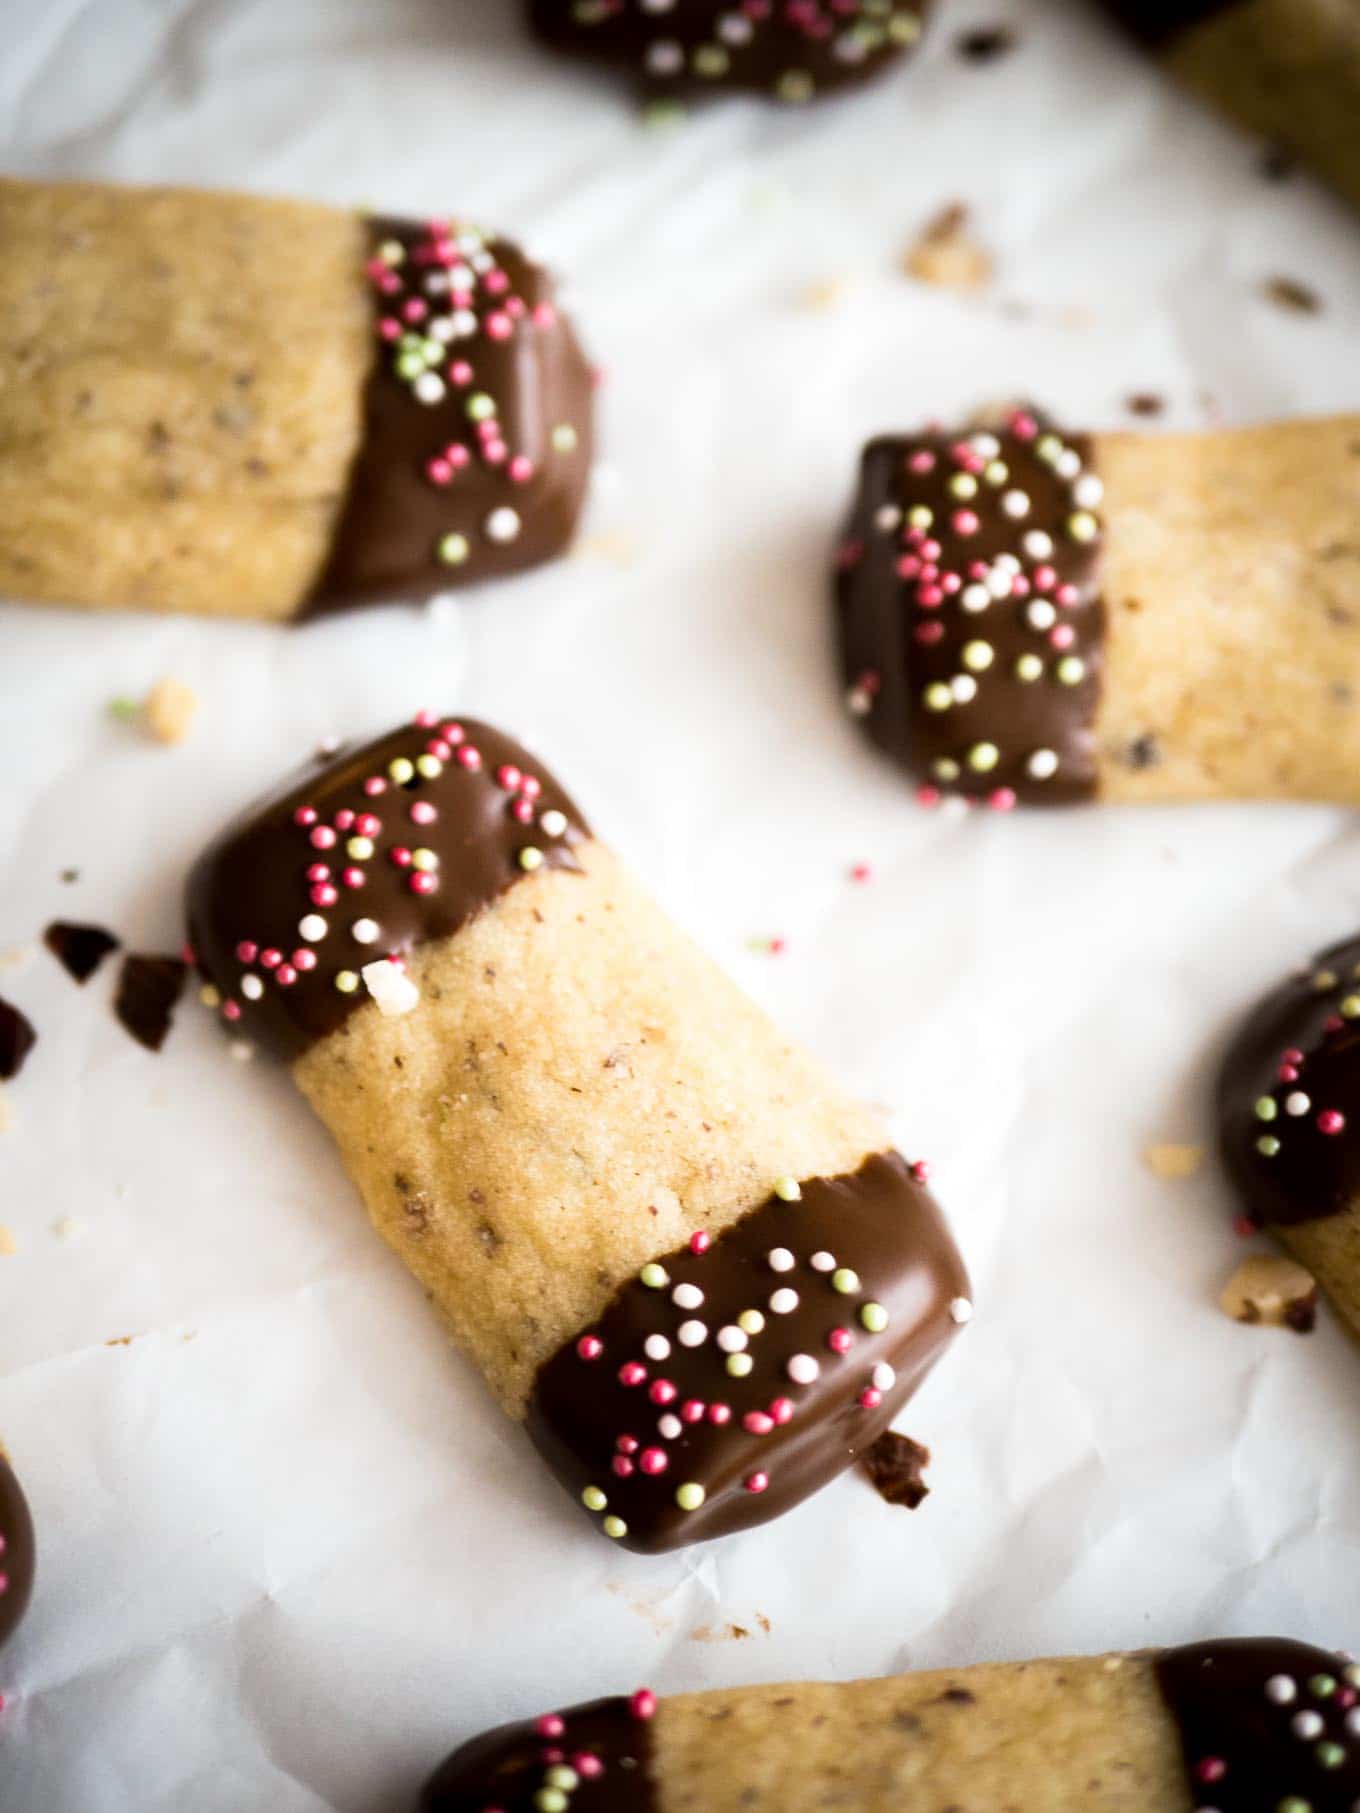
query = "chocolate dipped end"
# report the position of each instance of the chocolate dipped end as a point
(361, 859)
(1265, 1723)
(1289, 1096)
(605, 1745)
(794, 54)
(971, 621)
(724, 1385)
(18, 1552)
(477, 421)
(1155, 23)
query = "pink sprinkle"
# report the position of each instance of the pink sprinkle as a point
(778, 946)
(953, 582)
(374, 785)
(930, 632)
(700, 1242)
(1331, 1120)
(304, 959)
(1062, 635)
(499, 326)
(1244, 1227)
(622, 1465)
(1288, 1074)
(643, 1704)
(319, 871)
(931, 549)
(1045, 578)
(509, 777)
(756, 1422)
(323, 894)
(1067, 596)
(389, 328)
(495, 283)
(468, 757)
(523, 811)
(661, 1391)
(544, 315)
(400, 855)
(353, 878)
(920, 1170)
(270, 958)
(531, 786)
(1023, 425)
(929, 597)
(861, 872)
(1333, 1023)
(923, 460)
(438, 747)
(840, 1340)
(439, 472)
(781, 1409)
(285, 975)
(1292, 1056)
(1002, 799)
(869, 1398)
(423, 813)
(587, 1764)
(344, 819)
(692, 1410)
(461, 373)
(422, 883)
(719, 1414)
(415, 310)
(457, 455)
(590, 1347)
(653, 1460)
(927, 796)
(1211, 1769)
(425, 718)
(323, 838)
(632, 1373)
(627, 1444)
(849, 555)
(231, 1011)
(756, 1482)
(246, 952)
(908, 566)
(550, 1725)
(305, 815)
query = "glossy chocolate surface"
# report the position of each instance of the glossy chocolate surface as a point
(604, 1745)
(18, 1552)
(630, 1429)
(791, 49)
(379, 849)
(1266, 1725)
(1289, 1095)
(478, 414)
(971, 621)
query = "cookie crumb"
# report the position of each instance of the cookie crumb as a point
(391, 988)
(986, 44)
(69, 1228)
(945, 254)
(169, 710)
(826, 294)
(896, 1465)
(8, 1244)
(1288, 292)
(1172, 1161)
(1271, 1291)
(1145, 403)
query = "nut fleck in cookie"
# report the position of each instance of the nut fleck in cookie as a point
(1032, 616)
(1255, 1726)
(1289, 1119)
(696, 1272)
(17, 1552)
(791, 49)
(240, 407)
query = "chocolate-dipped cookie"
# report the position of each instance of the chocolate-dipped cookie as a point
(18, 1552)
(794, 50)
(242, 407)
(1254, 1726)
(695, 1271)
(1287, 68)
(1031, 616)
(1289, 1119)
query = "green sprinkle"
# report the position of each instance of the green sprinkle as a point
(1070, 671)
(614, 1527)
(660, 116)
(1322, 1687)
(360, 848)
(983, 757)
(401, 770)
(561, 1776)
(1267, 1145)
(978, 656)
(1330, 1756)
(739, 1365)
(1350, 1007)
(963, 484)
(920, 516)
(712, 61)
(454, 549)
(551, 1800)
(691, 1495)
(937, 696)
(844, 1280)
(904, 29)
(593, 1499)
(654, 1276)
(564, 438)
(429, 767)
(1029, 668)
(1082, 526)
(1352, 1675)
(425, 860)
(347, 981)
(1324, 979)
(1267, 1108)
(1048, 447)
(750, 1321)
(874, 1317)
(945, 769)
(786, 1189)
(1294, 1803)
(795, 85)
(997, 472)
(480, 407)
(125, 709)
(410, 365)
(530, 858)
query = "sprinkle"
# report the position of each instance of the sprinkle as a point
(822, 1262)
(590, 1347)
(1070, 671)
(738, 1365)
(1082, 526)
(961, 1311)
(1268, 1145)
(784, 1302)
(670, 1426)
(751, 1321)
(654, 1276)
(1029, 668)
(787, 1190)
(453, 549)
(643, 1703)
(553, 823)
(347, 982)
(530, 858)
(657, 1347)
(803, 1369)
(875, 1317)
(503, 525)
(884, 1378)
(1322, 1687)
(731, 1338)
(593, 1499)
(978, 656)
(614, 1527)
(1266, 1108)
(780, 1259)
(687, 1296)
(689, 1497)
(1307, 1725)
(756, 1482)
(1281, 1690)
(632, 1373)
(983, 757)
(691, 1334)
(840, 1340)
(1042, 765)
(699, 1243)
(1297, 1103)
(1331, 1120)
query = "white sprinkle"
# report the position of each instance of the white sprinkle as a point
(464, 323)
(687, 1296)
(783, 1302)
(1353, 1722)
(553, 823)
(1088, 491)
(1068, 463)
(961, 1310)
(884, 1378)
(312, 927)
(1041, 614)
(985, 445)
(669, 1426)
(803, 1369)
(975, 597)
(429, 387)
(657, 1347)
(503, 525)
(731, 1338)
(964, 688)
(887, 517)
(364, 931)
(1042, 765)
(780, 1259)
(823, 1262)
(665, 57)
(1007, 563)
(252, 987)
(1296, 1102)
(1282, 1690)
(999, 581)
(692, 1334)
(391, 988)
(242, 1050)
(1015, 503)
(1037, 544)
(1307, 1725)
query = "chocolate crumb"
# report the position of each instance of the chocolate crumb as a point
(1144, 752)
(985, 45)
(1301, 1316)
(895, 1465)
(1289, 293)
(17, 1039)
(1145, 402)
(69, 875)
(148, 989)
(80, 949)
(959, 1696)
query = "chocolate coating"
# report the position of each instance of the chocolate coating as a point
(18, 1552)
(280, 941)
(80, 949)
(798, 51)
(17, 1039)
(972, 639)
(1157, 22)
(505, 1769)
(148, 992)
(1311, 1173)
(1238, 1706)
(499, 345)
(891, 1247)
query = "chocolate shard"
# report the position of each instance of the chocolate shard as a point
(17, 1039)
(895, 1466)
(80, 949)
(149, 989)
(1289, 1096)
(382, 848)
(791, 52)
(971, 620)
(478, 412)
(606, 1745)
(18, 1552)
(1264, 1723)
(725, 1385)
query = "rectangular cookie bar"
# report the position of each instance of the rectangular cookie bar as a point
(1246, 1726)
(1032, 616)
(693, 1269)
(239, 407)
(1287, 68)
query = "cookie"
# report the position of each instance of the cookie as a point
(793, 50)
(1030, 616)
(238, 407)
(694, 1271)
(1245, 1726)
(17, 1552)
(1287, 68)
(1289, 1119)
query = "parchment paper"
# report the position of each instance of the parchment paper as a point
(290, 1552)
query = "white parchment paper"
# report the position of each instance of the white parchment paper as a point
(290, 1552)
